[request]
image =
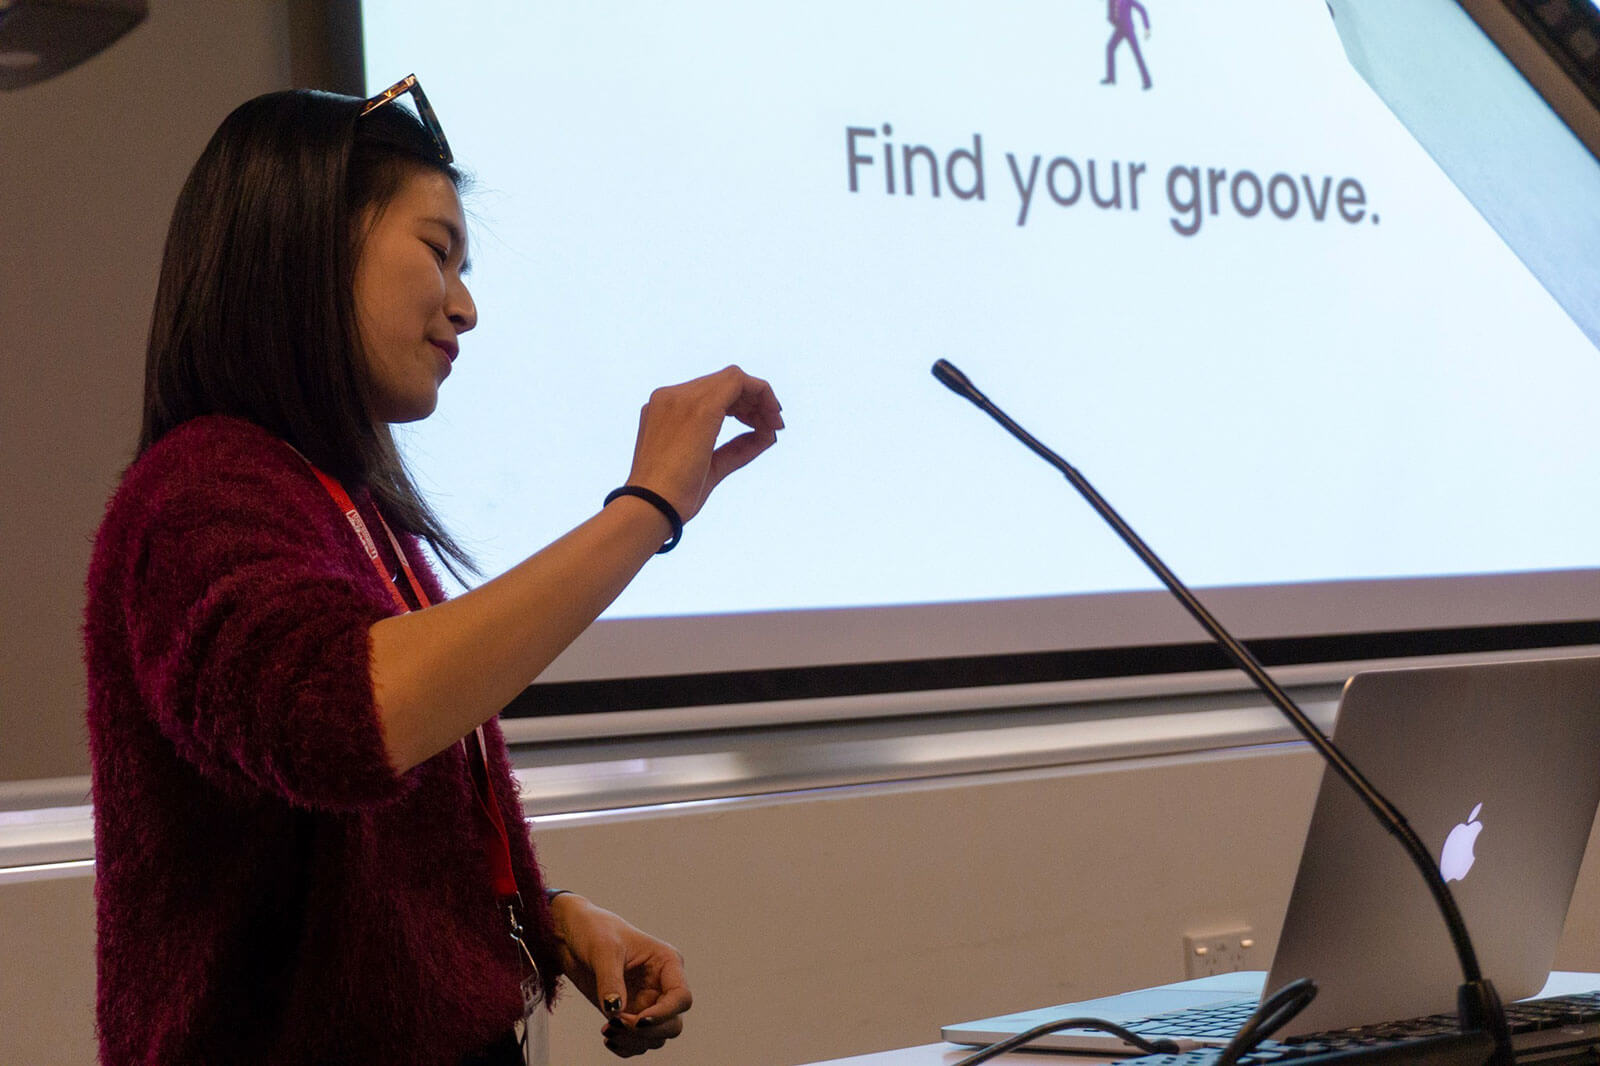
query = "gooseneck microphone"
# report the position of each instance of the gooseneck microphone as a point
(1477, 1003)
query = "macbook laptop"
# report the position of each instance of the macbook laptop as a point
(1497, 768)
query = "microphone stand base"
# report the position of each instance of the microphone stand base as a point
(1480, 1010)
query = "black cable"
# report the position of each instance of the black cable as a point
(1273, 1014)
(1000, 1047)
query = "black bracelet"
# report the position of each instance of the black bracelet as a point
(669, 512)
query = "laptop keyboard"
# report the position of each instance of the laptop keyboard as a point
(1579, 1014)
(1218, 1022)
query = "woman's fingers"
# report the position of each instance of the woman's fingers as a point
(737, 453)
(625, 1041)
(676, 453)
(663, 994)
(756, 405)
(660, 1001)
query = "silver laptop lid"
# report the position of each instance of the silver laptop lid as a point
(1503, 761)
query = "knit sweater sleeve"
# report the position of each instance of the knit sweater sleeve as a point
(246, 602)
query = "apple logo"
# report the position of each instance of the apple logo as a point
(1457, 858)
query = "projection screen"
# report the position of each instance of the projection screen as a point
(1183, 243)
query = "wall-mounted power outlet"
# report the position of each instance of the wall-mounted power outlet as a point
(1218, 951)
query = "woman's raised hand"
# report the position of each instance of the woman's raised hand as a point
(438, 673)
(676, 452)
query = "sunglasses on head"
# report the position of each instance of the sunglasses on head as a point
(430, 121)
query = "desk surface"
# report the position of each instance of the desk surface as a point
(1561, 983)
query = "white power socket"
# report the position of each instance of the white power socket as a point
(1219, 951)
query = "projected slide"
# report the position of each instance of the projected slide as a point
(1180, 241)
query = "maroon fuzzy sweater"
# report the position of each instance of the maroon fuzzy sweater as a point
(268, 890)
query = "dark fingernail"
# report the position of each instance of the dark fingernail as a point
(613, 1004)
(645, 1023)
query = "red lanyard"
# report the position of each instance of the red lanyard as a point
(498, 850)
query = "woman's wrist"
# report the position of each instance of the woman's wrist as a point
(560, 902)
(663, 507)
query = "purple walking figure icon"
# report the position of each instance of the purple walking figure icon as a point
(1120, 15)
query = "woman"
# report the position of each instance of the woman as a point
(308, 838)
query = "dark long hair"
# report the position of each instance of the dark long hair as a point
(254, 314)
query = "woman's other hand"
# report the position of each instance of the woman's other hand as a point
(635, 980)
(676, 452)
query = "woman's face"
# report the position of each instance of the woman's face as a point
(411, 303)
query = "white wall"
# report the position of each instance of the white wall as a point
(836, 922)
(816, 925)
(841, 921)
(90, 165)
(845, 922)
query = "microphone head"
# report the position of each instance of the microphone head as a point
(952, 378)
